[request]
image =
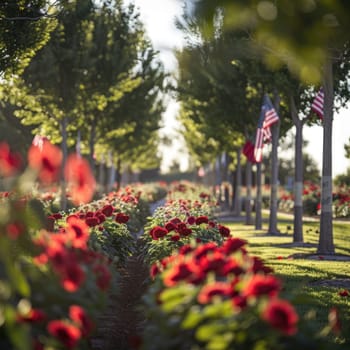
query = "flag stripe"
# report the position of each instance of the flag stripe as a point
(317, 104)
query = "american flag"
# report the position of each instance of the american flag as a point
(317, 105)
(268, 117)
(248, 151)
(271, 116)
(259, 139)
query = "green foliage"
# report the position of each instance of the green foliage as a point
(299, 34)
(25, 27)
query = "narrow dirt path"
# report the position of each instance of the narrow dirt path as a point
(122, 323)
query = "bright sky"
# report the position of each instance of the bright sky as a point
(159, 16)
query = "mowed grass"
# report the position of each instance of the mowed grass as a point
(312, 282)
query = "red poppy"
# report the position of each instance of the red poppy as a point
(262, 285)
(14, 229)
(10, 163)
(183, 230)
(92, 221)
(191, 220)
(281, 315)
(107, 210)
(33, 316)
(344, 293)
(122, 218)
(202, 220)
(209, 291)
(185, 249)
(224, 231)
(80, 179)
(79, 316)
(154, 270)
(204, 249)
(259, 266)
(231, 266)
(233, 244)
(66, 333)
(46, 160)
(158, 232)
(212, 262)
(179, 272)
(170, 226)
(72, 276)
(78, 231)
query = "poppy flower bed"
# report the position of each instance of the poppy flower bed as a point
(312, 200)
(57, 268)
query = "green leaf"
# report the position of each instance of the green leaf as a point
(209, 330)
(193, 318)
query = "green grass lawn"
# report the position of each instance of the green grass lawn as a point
(304, 279)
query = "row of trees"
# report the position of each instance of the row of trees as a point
(85, 74)
(236, 51)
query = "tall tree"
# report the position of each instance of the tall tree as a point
(307, 36)
(25, 27)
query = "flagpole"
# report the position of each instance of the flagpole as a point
(258, 200)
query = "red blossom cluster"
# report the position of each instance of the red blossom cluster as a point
(67, 253)
(176, 228)
(10, 162)
(240, 278)
(91, 218)
(46, 159)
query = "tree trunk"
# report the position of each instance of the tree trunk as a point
(248, 198)
(274, 173)
(298, 176)
(64, 147)
(238, 188)
(258, 200)
(92, 145)
(118, 175)
(325, 243)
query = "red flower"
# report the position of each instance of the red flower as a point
(158, 232)
(344, 293)
(259, 266)
(122, 218)
(231, 267)
(46, 159)
(14, 229)
(191, 220)
(92, 221)
(80, 178)
(33, 316)
(107, 210)
(170, 226)
(202, 220)
(281, 315)
(204, 249)
(185, 249)
(78, 231)
(79, 316)
(224, 231)
(66, 333)
(179, 272)
(209, 291)
(154, 271)
(72, 276)
(10, 163)
(212, 262)
(231, 245)
(262, 285)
